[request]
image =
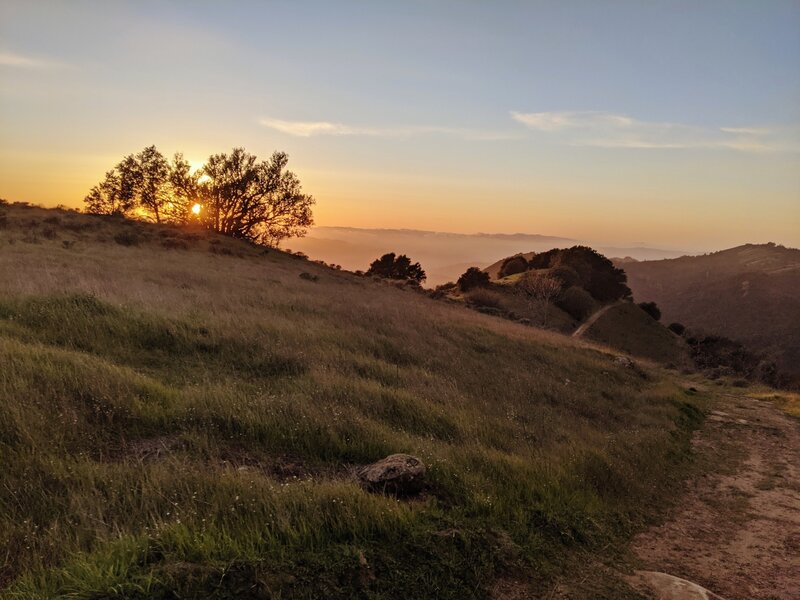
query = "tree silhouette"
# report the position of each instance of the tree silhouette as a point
(390, 266)
(473, 278)
(513, 265)
(651, 308)
(596, 274)
(257, 201)
(241, 197)
(138, 181)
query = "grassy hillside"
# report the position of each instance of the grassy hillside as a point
(630, 329)
(181, 415)
(750, 293)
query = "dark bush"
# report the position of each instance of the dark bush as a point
(513, 265)
(566, 275)
(651, 308)
(576, 302)
(677, 328)
(391, 266)
(473, 278)
(309, 276)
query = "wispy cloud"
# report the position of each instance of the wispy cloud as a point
(610, 130)
(317, 128)
(19, 61)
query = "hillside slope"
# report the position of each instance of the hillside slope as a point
(181, 416)
(749, 293)
(628, 328)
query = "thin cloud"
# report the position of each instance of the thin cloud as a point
(10, 59)
(610, 130)
(322, 128)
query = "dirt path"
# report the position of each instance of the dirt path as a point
(592, 319)
(737, 533)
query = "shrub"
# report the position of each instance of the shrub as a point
(576, 302)
(309, 276)
(677, 328)
(651, 308)
(473, 278)
(566, 275)
(483, 297)
(391, 266)
(513, 265)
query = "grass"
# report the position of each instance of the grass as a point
(261, 392)
(630, 329)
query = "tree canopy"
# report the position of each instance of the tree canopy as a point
(473, 278)
(235, 194)
(390, 266)
(595, 273)
(258, 201)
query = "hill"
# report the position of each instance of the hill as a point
(184, 415)
(628, 328)
(443, 255)
(750, 293)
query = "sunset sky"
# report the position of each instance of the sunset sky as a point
(675, 124)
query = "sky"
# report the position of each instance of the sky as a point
(671, 124)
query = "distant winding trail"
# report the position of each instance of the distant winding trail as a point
(736, 533)
(592, 319)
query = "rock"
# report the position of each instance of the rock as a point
(669, 587)
(399, 474)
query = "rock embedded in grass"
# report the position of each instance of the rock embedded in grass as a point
(399, 474)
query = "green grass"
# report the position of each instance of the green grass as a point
(264, 391)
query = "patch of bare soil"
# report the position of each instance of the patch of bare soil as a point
(736, 533)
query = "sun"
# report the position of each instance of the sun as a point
(196, 209)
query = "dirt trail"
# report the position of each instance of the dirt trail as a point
(592, 320)
(737, 533)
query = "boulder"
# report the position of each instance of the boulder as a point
(399, 474)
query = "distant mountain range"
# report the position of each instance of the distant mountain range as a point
(444, 256)
(750, 293)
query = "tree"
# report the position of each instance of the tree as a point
(107, 198)
(539, 288)
(390, 266)
(576, 302)
(140, 181)
(473, 278)
(257, 201)
(513, 265)
(184, 189)
(596, 274)
(152, 184)
(651, 308)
